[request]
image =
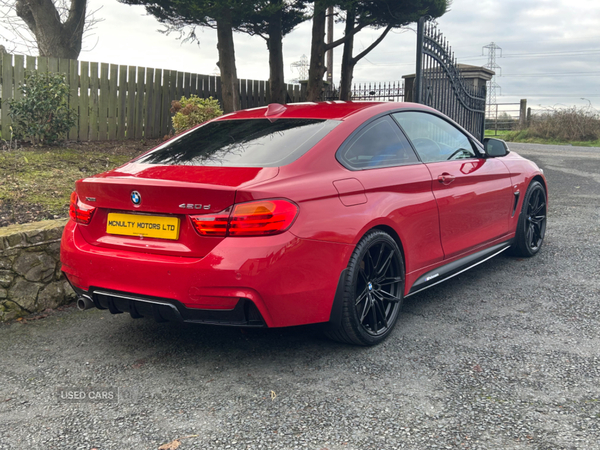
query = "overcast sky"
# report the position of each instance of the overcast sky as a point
(550, 48)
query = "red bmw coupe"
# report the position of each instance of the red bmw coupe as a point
(302, 213)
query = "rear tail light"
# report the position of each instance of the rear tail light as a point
(80, 212)
(259, 218)
(212, 224)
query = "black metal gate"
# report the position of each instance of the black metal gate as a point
(439, 83)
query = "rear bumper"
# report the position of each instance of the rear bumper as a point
(274, 281)
(244, 314)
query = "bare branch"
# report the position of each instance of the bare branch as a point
(346, 38)
(20, 24)
(375, 43)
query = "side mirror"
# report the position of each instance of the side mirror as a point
(495, 147)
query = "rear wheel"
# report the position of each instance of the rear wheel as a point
(532, 222)
(373, 291)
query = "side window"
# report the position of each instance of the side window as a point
(434, 139)
(379, 144)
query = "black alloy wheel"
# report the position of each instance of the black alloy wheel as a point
(374, 291)
(532, 222)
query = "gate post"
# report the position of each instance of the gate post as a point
(419, 70)
(523, 113)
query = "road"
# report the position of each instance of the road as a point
(505, 356)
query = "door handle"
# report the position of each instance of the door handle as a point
(446, 178)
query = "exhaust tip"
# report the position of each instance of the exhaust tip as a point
(84, 302)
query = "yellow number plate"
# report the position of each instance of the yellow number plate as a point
(139, 225)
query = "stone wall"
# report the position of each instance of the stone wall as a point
(30, 276)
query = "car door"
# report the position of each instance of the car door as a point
(397, 188)
(474, 194)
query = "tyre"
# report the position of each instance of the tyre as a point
(532, 222)
(373, 291)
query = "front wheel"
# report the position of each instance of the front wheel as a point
(531, 228)
(373, 291)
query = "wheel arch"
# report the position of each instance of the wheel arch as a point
(542, 180)
(335, 316)
(520, 247)
(389, 230)
(539, 178)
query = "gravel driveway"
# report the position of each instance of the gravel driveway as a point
(505, 356)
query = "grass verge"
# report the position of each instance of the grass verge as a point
(37, 182)
(559, 126)
(526, 137)
(496, 133)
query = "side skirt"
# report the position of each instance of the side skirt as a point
(452, 269)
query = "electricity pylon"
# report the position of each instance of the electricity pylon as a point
(302, 68)
(492, 85)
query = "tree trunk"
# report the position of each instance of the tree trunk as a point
(230, 90)
(56, 39)
(317, 53)
(347, 62)
(329, 54)
(275, 45)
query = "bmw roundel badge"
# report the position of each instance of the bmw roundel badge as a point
(136, 198)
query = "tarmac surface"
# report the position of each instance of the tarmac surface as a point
(505, 356)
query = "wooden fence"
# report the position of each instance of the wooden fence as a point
(121, 102)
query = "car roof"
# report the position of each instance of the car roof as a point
(336, 110)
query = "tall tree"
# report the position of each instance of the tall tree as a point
(318, 48)
(381, 14)
(272, 21)
(56, 26)
(316, 68)
(384, 15)
(223, 15)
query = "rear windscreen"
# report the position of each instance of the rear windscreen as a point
(242, 143)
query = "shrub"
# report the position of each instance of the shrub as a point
(564, 124)
(192, 111)
(42, 114)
